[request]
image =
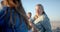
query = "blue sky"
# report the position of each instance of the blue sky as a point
(51, 7)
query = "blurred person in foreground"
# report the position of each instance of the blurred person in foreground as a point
(13, 17)
(41, 20)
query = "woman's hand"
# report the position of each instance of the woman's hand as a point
(34, 29)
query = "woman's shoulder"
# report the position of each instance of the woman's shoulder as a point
(3, 7)
(39, 19)
(2, 11)
(44, 16)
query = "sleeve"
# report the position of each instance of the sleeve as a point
(32, 20)
(2, 14)
(46, 24)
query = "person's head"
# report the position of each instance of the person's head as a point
(2, 2)
(39, 9)
(29, 14)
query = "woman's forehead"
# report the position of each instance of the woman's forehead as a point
(37, 7)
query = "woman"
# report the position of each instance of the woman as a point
(41, 21)
(11, 20)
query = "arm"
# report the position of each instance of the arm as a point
(34, 29)
(2, 14)
(46, 24)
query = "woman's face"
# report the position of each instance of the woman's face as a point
(5, 2)
(29, 15)
(38, 10)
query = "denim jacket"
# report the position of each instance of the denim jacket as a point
(4, 22)
(42, 23)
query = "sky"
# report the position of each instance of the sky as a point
(51, 7)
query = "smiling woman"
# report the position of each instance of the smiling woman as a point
(42, 22)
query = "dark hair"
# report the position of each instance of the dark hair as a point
(21, 11)
(41, 7)
(29, 13)
(2, 2)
